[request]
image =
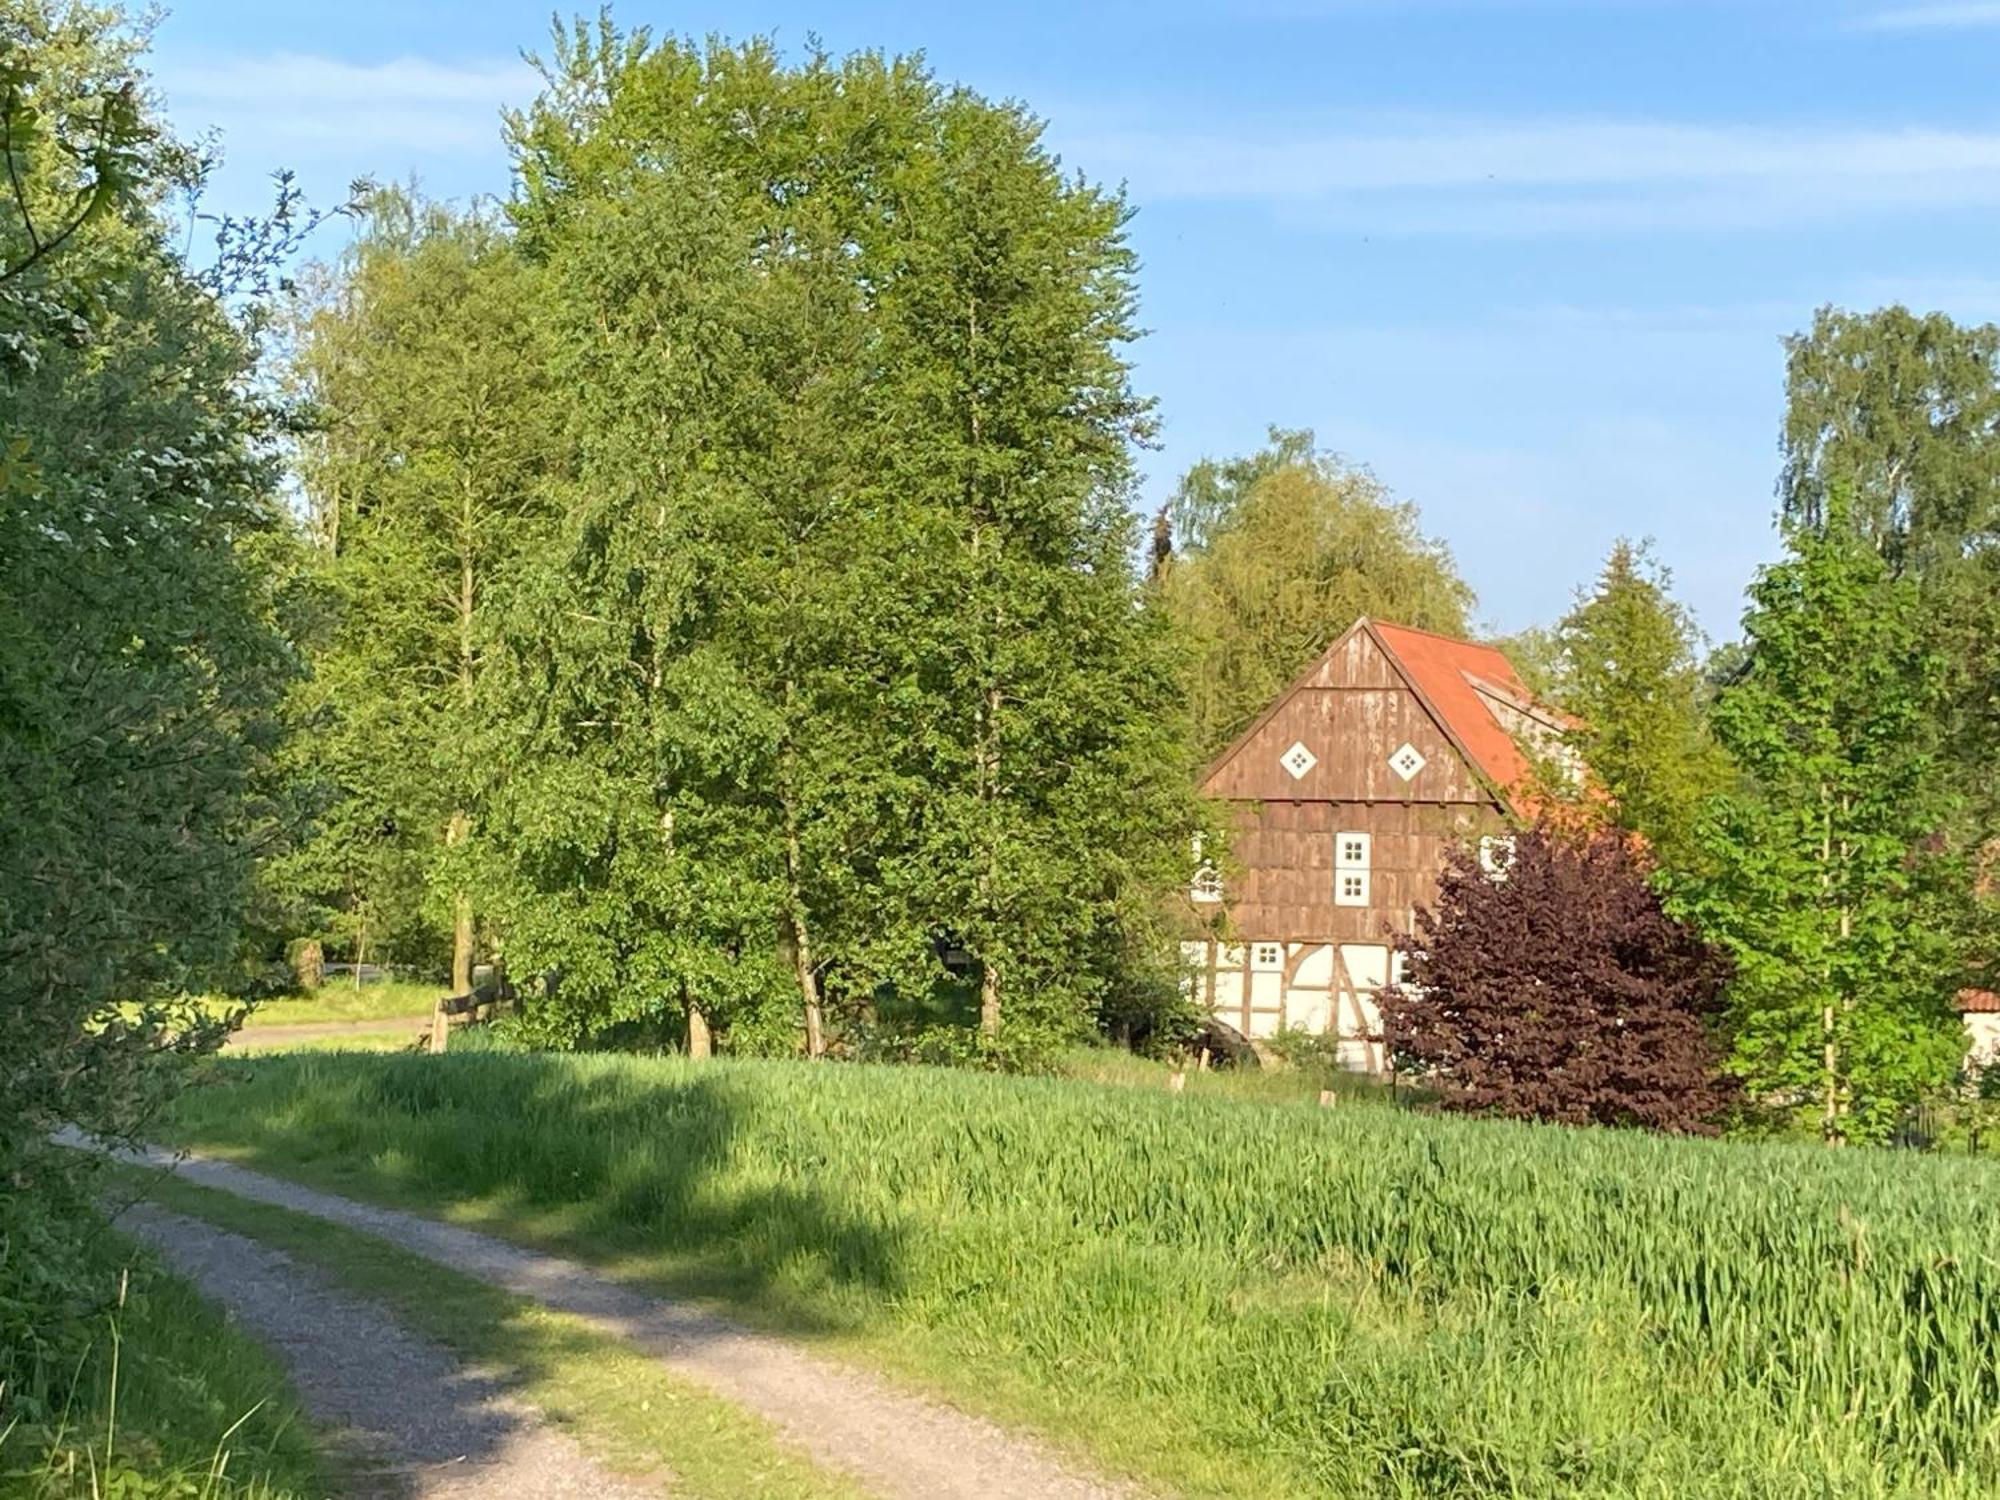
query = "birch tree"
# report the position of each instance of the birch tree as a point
(845, 591)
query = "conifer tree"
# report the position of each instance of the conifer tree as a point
(1629, 671)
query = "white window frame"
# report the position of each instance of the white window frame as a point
(1353, 874)
(1492, 860)
(1267, 958)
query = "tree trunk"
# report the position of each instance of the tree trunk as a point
(461, 821)
(801, 939)
(988, 749)
(1830, 1131)
(700, 1044)
(461, 918)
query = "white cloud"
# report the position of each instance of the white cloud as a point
(1930, 17)
(1470, 176)
(406, 104)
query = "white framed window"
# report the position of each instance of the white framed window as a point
(1267, 958)
(1353, 863)
(1298, 760)
(1399, 968)
(1407, 761)
(1496, 855)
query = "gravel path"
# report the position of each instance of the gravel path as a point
(901, 1446)
(409, 1420)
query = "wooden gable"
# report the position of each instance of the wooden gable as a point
(1352, 709)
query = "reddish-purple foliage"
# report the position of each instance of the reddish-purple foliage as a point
(1561, 992)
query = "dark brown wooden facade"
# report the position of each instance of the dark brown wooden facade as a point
(1389, 750)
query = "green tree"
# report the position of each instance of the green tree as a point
(1823, 879)
(1281, 552)
(841, 643)
(1629, 670)
(1901, 413)
(140, 654)
(425, 479)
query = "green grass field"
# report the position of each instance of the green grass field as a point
(335, 1001)
(1228, 1297)
(171, 1403)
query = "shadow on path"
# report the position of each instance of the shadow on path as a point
(900, 1445)
(409, 1421)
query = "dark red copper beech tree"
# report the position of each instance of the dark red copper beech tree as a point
(1558, 989)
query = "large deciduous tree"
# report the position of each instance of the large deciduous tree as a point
(426, 479)
(1828, 878)
(140, 659)
(1900, 414)
(1280, 552)
(839, 658)
(1561, 990)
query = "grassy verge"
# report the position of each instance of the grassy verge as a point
(392, 1000)
(1230, 1298)
(170, 1403)
(620, 1404)
(380, 1041)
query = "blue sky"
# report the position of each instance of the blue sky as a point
(1530, 260)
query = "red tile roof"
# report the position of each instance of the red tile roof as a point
(1442, 669)
(1978, 1003)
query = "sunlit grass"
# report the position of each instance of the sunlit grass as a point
(1233, 1297)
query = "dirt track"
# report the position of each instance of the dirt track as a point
(407, 1420)
(898, 1445)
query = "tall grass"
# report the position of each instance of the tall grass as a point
(168, 1403)
(1241, 1298)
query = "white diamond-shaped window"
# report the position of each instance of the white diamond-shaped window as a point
(1298, 760)
(1407, 761)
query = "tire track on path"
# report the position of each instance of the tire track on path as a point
(901, 1446)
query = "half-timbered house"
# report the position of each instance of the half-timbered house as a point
(1347, 794)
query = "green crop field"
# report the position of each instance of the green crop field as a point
(1229, 1297)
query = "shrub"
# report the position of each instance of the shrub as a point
(1559, 989)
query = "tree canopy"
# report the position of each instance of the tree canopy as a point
(1825, 876)
(142, 559)
(1281, 551)
(1560, 989)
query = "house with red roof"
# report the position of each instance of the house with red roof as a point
(1980, 1010)
(1347, 794)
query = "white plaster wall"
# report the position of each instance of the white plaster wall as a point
(1983, 1032)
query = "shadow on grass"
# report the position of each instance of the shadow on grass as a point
(415, 1375)
(593, 1158)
